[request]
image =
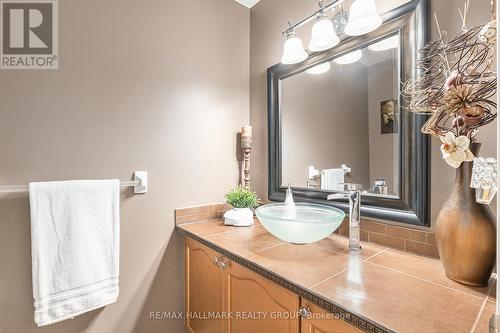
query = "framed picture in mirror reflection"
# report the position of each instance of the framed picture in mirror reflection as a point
(388, 117)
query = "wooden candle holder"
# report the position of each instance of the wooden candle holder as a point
(246, 146)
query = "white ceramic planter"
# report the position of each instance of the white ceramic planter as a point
(239, 217)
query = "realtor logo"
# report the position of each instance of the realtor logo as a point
(28, 35)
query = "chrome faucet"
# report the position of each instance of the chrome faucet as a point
(354, 194)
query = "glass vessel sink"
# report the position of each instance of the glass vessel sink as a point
(300, 223)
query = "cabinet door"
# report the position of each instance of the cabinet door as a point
(203, 288)
(262, 306)
(320, 321)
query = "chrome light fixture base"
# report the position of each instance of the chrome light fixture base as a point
(340, 21)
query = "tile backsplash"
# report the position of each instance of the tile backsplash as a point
(193, 214)
(394, 236)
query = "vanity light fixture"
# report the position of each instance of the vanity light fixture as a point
(349, 58)
(293, 49)
(363, 18)
(385, 44)
(319, 69)
(323, 36)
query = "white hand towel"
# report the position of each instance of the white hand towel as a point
(332, 179)
(75, 235)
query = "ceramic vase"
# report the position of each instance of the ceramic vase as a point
(465, 232)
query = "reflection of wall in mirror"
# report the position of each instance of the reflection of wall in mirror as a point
(325, 124)
(384, 147)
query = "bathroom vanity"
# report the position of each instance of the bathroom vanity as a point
(250, 281)
(240, 300)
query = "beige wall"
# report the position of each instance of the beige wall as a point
(269, 17)
(317, 110)
(155, 85)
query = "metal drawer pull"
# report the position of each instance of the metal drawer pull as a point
(304, 312)
(217, 261)
(224, 263)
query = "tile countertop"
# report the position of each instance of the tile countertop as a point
(397, 290)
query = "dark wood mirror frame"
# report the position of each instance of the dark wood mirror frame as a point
(413, 206)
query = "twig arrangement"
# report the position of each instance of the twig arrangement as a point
(455, 84)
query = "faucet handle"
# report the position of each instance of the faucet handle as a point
(353, 186)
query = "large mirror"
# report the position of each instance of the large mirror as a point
(340, 122)
(338, 118)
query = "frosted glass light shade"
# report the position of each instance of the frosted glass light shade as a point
(319, 69)
(363, 18)
(323, 35)
(349, 58)
(293, 51)
(385, 44)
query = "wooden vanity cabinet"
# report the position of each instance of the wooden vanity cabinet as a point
(203, 288)
(320, 321)
(271, 308)
(249, 302)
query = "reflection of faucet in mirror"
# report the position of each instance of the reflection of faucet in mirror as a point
(354, 195)
(379, 187)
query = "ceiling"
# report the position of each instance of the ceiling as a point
(247, 3)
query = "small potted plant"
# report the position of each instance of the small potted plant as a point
(242, 199)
